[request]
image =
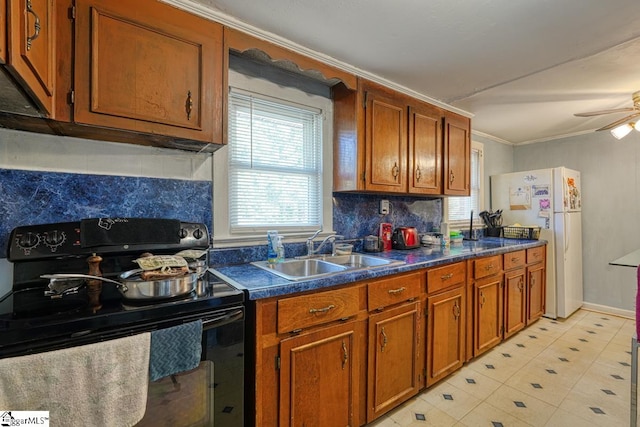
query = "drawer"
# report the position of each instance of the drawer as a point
(313, 309)
(446, 277)
(487, 266)
(535, 254)
(394, 290)
(515, 259)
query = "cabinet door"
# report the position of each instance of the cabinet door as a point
(319, 377)
(146, 66)
(393, 358)
(488, 298)
(515, 298)
(425, 150)
(31, 48)
(385, 143)
(535, 292)
(457, 155)
(445, 334)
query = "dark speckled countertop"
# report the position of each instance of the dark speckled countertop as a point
(261, 284)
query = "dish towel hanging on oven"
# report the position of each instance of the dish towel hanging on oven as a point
(176, 349)
(101, 384)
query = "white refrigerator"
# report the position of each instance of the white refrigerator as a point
(550, 199)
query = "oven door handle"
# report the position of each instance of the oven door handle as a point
(214, 322)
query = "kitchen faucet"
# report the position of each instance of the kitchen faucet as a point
(310, 246)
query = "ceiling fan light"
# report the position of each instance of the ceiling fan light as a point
(621, 131)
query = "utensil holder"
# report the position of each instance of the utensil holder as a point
(493, 232)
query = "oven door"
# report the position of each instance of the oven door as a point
(211, 394)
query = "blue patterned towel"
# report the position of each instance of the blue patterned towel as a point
(175, 349)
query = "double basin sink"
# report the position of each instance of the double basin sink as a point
(311, 268)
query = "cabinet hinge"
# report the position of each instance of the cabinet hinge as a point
(364, 101)
(364, 176)
(72, 97)
(426, 312)
(277, 362)
(72, 12)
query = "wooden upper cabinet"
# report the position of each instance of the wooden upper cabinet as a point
(148, 67)
(30, 52)
(457, 155)
(425, 149)
(386, 143)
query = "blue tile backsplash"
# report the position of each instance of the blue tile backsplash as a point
(356, 215)
(34, 197)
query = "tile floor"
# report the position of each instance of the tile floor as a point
(572, 372)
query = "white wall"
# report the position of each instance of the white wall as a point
(610, 173)
(498, 158)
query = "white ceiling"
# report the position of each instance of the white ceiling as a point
(520, 67)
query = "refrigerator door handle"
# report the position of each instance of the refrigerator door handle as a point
(567, 237)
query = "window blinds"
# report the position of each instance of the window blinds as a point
(275, 163)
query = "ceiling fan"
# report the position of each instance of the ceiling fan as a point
(635, 113)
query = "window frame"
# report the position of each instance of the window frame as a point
(222, 235)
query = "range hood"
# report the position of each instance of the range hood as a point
(13, 99)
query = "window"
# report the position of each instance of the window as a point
(271, 174)
(459, 208)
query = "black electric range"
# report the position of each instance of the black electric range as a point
(31, 321)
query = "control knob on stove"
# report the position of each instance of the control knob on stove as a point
(54, 238)
(197, 233)
(28, 240)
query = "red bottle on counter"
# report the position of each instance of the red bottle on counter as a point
(386, 229)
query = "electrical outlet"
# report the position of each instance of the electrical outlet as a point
(384, 207)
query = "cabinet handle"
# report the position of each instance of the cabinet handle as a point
(384, 340)
(532, 281)
(514, 259)
(36, 26)
(452, 177)
(521, 285)
(345, 354)
(446, 276)
(456, 310)
(321, 310)
(396, 291)
(395, 170)
(418, 173)
(482, 299)
(189, 105)
(489, 267)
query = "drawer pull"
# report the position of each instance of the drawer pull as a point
(321, 310)
(345, 354)
(396, 291)
(514, 259)
(446, 276)
(384, 340)
(489, 267)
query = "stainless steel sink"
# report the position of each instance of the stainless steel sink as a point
(360, 261)
(310, 268)
(300, 269)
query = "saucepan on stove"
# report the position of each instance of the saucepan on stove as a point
(159, 277)
(131, 285)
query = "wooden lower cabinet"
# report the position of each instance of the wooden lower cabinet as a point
(446, 325)
(319, 377)
(394, 358)
(536, 291)
(515, 297)
(488, 312)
